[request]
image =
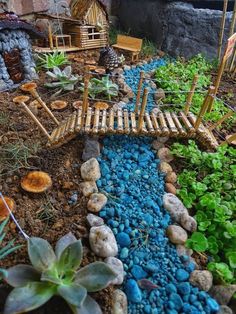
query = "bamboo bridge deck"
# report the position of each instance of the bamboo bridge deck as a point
(103, 122)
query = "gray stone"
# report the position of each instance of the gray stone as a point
(94, 221)
(88, 188)
(118, 268)
(91, 149)
(223, 294)
(102, 241)
(188, 222)
(96, 202)
(224, 309)
(182, 250)
(90, 170)
(171, 177)
(119, 304)
(202, 279)
(157, 145)
(176, 234)
(174, 206)
(165, 167)
(165, 154)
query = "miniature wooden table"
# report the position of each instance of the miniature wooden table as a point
(56, 37)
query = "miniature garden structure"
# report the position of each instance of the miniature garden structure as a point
(16, 61)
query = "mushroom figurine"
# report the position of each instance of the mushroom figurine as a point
(58, 105)
(101, 105)
(36, 182)
(4, 213)
(28, 87)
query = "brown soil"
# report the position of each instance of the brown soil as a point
(47, 215)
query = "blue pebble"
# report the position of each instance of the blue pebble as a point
(147, 309)
(124, 253)
(176, 299)
(182, 275)
(192, 298)
(138, 272)
(184, 288)
(152, 267)
(213, 305)
(190, 267)
(170, 288)
(123, 239)
(133, 292)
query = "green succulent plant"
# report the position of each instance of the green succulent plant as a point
(102, 87)
(56, 274)
(9, 248)
(51, 60)
(64, 80)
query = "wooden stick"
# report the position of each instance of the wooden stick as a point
(140, 84)
(133, 122)
(219, 75)
(119, 115)
(211, 101)
(190, 94)
(222, 26)
(88, 119)
(31, 115)
(204, 107)
(232, 60)
(85, 95)
(126, 121)
(232, 26)
(221, 120)
(96, 120)
(104, 121)
(143, 107)
(35, 94)
(111, 120)
(78, 124)
(50, 38)
(229, 140)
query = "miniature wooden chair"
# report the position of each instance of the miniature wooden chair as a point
(131, 44)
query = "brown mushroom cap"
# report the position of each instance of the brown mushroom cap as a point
(4, 213)
(100, 70)
(36, 182)
(35, 103)
(101, 105)
(27, 87)
(20, 99)
(78, 104)
(58, 105)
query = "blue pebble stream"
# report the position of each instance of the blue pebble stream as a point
(157, 279)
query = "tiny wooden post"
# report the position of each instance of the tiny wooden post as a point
(221, 120)
(211, 101)
(31, 115)
(85, 95)
(204, 107)
(190, 94)
(139, 91)
(143, 107)
(35, 94)
(50, 38)
(229, 140)
(232, 61)
(232, 26)
(219, 74)
(222, 26)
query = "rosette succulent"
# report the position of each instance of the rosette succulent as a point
(56, 274)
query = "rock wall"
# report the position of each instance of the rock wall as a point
(10, 40)
(176, 27)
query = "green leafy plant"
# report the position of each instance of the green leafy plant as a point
(51, 60)
(148, 48)
(64, 80)
(9, 248)
(176, 79)
(56, 274)
(103, 87)
(208, 185)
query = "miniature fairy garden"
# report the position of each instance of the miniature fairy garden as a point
(117, 173)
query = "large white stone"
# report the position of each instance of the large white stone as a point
(102, 241)
(90, 170)
(120, 304)
(118, 268)
(174, 206)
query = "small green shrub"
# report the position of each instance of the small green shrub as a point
(56, 274)
(148, 48)
(64, 80)
(103, 87)
(51, 60)
(208, 184)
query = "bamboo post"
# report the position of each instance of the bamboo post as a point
(85, 95)
(229, 140)
(222, 26)
(190, 94)
(211, 101)
(232, 60)
(139, 91)
(219, 74)
(50, 38)
(204, 107)
(21, 100)
(232, 26)
(143, 107)
(221, 120)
